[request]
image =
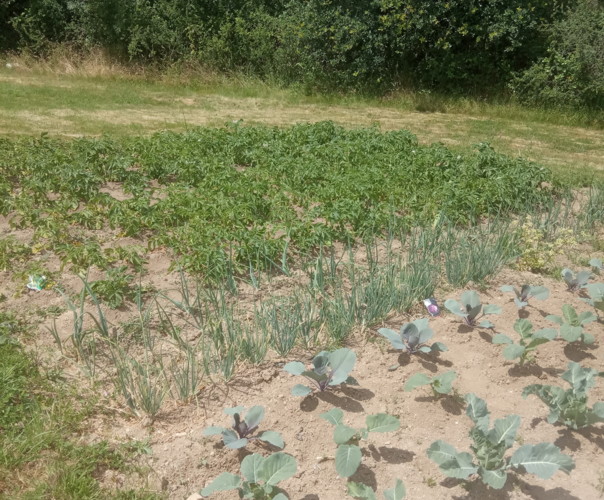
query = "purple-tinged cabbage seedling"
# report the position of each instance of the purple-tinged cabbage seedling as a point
(242, 430)
(260, 477)
(570, 407)
(571, 324)
(575, 281)
(470, 309)
(329, 369)
(364, 492)
(490, 447)
(348, 454)
(440, 384)
(596, 266)
(525, 293)
(529, 341)
(413, 337)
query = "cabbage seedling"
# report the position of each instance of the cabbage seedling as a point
(440, 384)
(575, 281)
(413, 337)
(571, 324)
(328, 370)
(260, 477)
(596, 265)
(570, 407)
(529, 341)
(364, 492)
(348, 453)
(525, 293)
(242, 431)
(596, 296)
(490, 446)
(470, 309)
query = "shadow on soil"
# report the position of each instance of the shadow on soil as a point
(567, 438)
(390, 455)
(347, 399)
(451, 403)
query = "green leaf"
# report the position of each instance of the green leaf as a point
(295, 368)
(382, 422)
(555, 319)
(523, 327)
(277, 467)
(598, 409)
(360, 490)
(587, 317)
(500, 338)
(570, 315)
(477, 411)
(470, 298)
(250, 467)
(539, 292)
(236, 444)
(425, 349)
(494, 478)
(546, 333)
(397, 493)
(571, 333)
(504, 430)
(393, 337)
(453, 464)
(341, 362)
(224, 482)
(301, 390)
(455, 307)
(348, 459)
(342, 434)
(416, 380)
(254, 416)
(271, 437)
(333, 416)
(439, 346)
(212, 431)
(235, 409)
(491, 309)
(513, 351)
(444, 383)
(543, 459)
(441, 452)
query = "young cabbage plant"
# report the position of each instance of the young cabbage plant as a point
(329, 369)
(571, 324)
(574, 281)
(440, 384)
(413, 337)
(364, 492)
(260, 477)
(529, 341)
(526, 293)
(490, 446)
(470, 309)
(595, 291)
(242, 431)
(569, 407)
(348, 453)
(596, 266)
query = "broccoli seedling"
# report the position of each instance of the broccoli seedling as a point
(413, 337)
(260, 477)
(470, 309)
(570, 407)
(329, 369)
(440, 384)
(571, 324)
(490, 446)
(529, 341)
(525, 293)
(348, 453)
(242, 431)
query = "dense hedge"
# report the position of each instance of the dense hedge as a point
(458, 45)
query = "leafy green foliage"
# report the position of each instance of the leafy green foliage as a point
(413, 337)
(364, 492)
(244, 430)
(470, 309)
(329, 369)
(114, 290)
(348, 453)
(572, 324)
(596, 295)
(526, 293)
(260, 477)
(569, 407)
(489, 448)
(440, 384)
(529, 341)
